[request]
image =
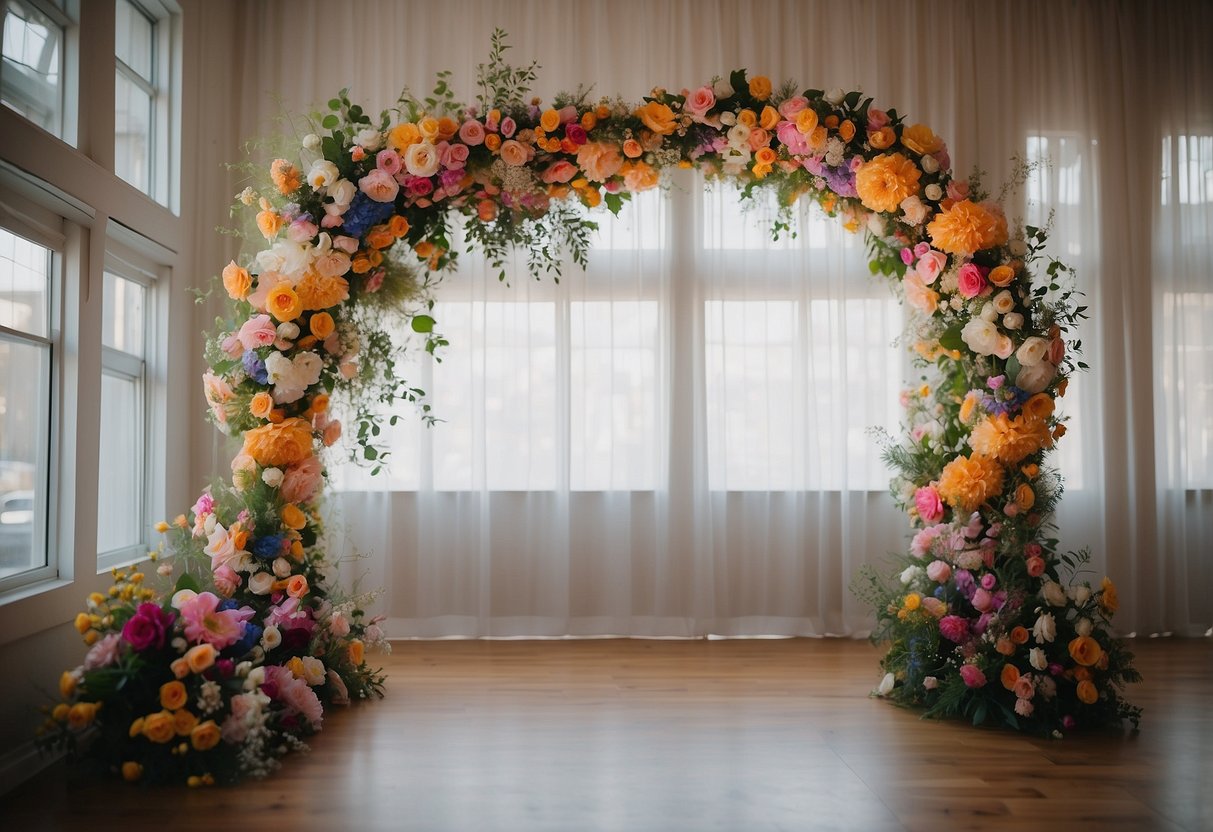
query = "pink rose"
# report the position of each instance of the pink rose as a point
(958, 190)
(929, 504)
(561, 171)
(302, 481)
(982, 600)
(1024, 687)
(916, 211)
(954, 628)
(599, 160)
(931, 265)
(939, 571)
(758, 139)
(918, 295)
(454, 156)
(103, 653)
(257, 331)
(877, 119)
(301, 231)
(1036, 566)
(971, 281)
(508, 126)
(347, 244)
(699, 102)
(934, 606)
(972, 675)
(471, 133)
(379, 186)
(232, 346)
(1023, 707)
(388, 161)
(340, 693)
(513, 153)
(1057, 351)
(576, 134)
(790, 107)
(227, 580)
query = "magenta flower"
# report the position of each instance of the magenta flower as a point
(148, 628)
(954, 628)
(972, 675)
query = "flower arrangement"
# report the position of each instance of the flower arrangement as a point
(213, 677)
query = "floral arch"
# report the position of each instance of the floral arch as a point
(216, 675)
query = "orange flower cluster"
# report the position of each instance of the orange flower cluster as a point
(885, 181)
(1010, 440)
(967, 482)
(276, 445)
(966, 227)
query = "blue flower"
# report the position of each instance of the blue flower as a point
(268, 547)
(254, 365)
(252, 635)
(363, 213)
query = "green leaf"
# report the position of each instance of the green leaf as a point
(329, 122)
(334, 103)
(186, 581)
(951, 340)
(852, 99)
(738, 81)
(423, 323)
(1013, 368)
(370, 453)
(614, 202)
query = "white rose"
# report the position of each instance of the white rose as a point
(369, 139)
(1004, 302)
(311, 142)
(932, 192)
(930, 682)
(1083, 626)
(421, 159)
(282, 568)
(1018, 247)
(835, 95)
(1032, 351)
(723, 89)
(1035, 379)
(181, 596)
(981, 336)
(322, 174)
(256, 676)
(739, 136)
(288, 330)
(1012, 321)
(876, 224)
(313, 670)
(1046, 687)
(1037, 658)
(931, 165)
(1080, 594)
(208, 525)
(271, 637)
(342, 192)
(886, 685)
(1045, 629)
(261, 583)
(910, 574)
(728, 119)
(1054, 594)
(242, 669)
(272, 477)
(989, 313)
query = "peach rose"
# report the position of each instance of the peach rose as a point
(200, 657)
(599, 160)
(285, 443)
(296, 586)
(236, 281)
(513, 153)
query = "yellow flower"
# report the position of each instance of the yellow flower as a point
(83, 623)
(657, 117)
(67, 684)
(131, 771)
(159, 727)
(1010, 440)
(59, 714)
(920, 139)
(760, 87)
(550, 120)
(1109, 600)
(806, 121)
(284, 443)
(912, 601)
(283, 303)
(886, 180)
(967, 482)
(769, 119)
(173, 695)
(428, 127)
(205, 736)
(403, 135)
(292, 517)
(184, 722)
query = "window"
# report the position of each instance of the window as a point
(31, 77)
(26, 356)
(141, 97)
(122, 521)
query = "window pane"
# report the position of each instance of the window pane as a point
(25, 270)
(614, 402)
(32, 65)
(123, 322)
(24, 424)
(133, 33)
(120, 492)
(132, 132)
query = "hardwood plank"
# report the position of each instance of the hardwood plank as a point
(661, 735)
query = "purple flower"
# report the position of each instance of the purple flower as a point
(254, 365)
(965, 583)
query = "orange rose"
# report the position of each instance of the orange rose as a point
(199, 657)
(172, 695)
(283, 303)
(588, 120)
(292, 517)
(882, 139)
(1010, 675)
(920, 139)
(1025, 496)
(1005, 646)
(296, 586)
(493, 142)
(760, 87)
(549, 121)
(769, 119)
(131, 771)
(966, 227)
(424, 249)
(447, 128)
(269, 224)
(285, 176)
(398, 226)
(749, 118)
(261, 404)
(1019, 635)
(82, 714)
(1085, 650)
(1039, 406)
(284, 443)
(159, 727)
(592, 197)
(320, 403)
(205, 736)
(1001, 275)
(316, 291)
(1109, 600)
(403, 135)
(321, 325)
(806, 120)
(657, 117)
(632, 149)
(486, 210)
(237, 281)
(356, 652)
(184, 722)
(1088, 694)
(380, 237)
(765, 156)
(883, 182)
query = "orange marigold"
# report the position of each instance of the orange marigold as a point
(966, 227)
(967, 482)
(286, 443)
(1010, 440)
(886, 180)
(319, 292)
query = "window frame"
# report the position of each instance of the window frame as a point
(163, 88)
(63, 18)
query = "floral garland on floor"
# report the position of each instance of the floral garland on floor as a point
(213, 677)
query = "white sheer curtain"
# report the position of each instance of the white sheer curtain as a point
(673, 444)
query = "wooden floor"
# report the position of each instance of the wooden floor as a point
(661, 735)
